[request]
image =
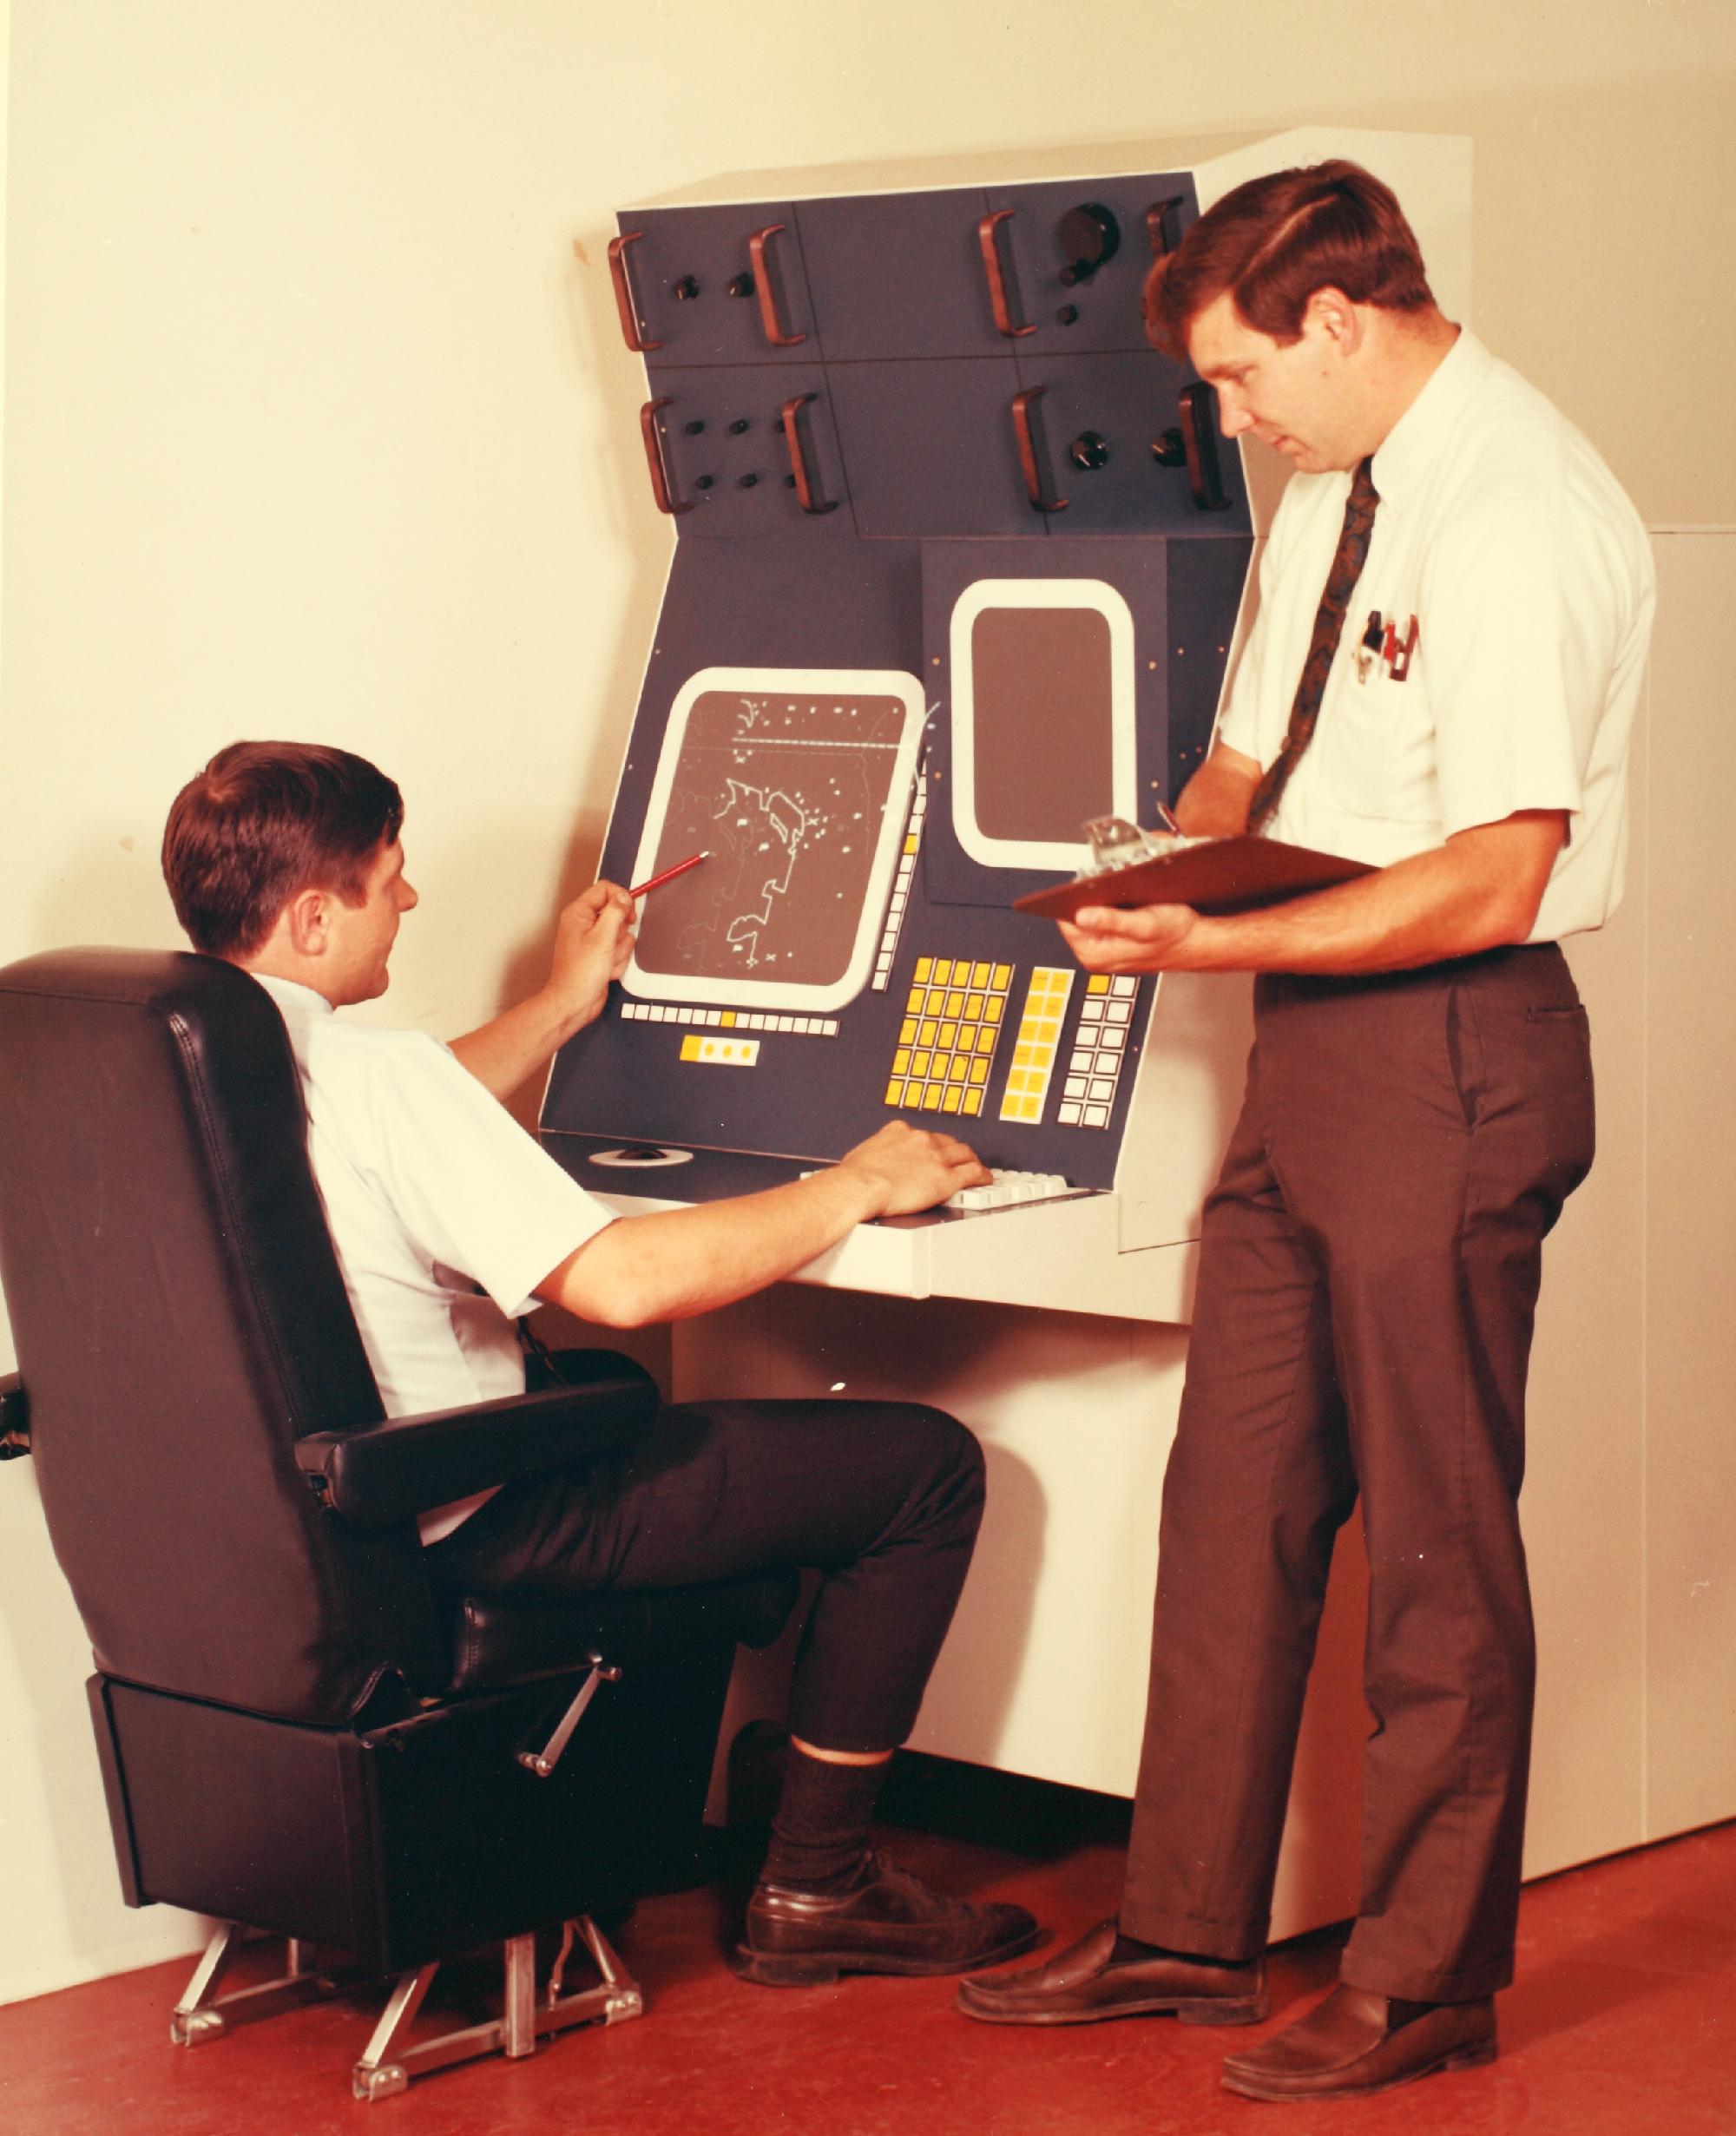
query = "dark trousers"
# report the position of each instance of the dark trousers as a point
(883, 1498)
(1368, 1278)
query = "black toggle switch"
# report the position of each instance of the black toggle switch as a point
(696, 426)
(1090, 450)
(1090, 238)
(686, 290)
(747, 482)
(739, 424)
(704, 482)
(742, 286)
(1170, 450)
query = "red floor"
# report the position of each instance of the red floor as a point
(1623, 2024)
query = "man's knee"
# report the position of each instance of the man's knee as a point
(946, 1461)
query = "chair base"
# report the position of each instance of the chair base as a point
(390, 2060)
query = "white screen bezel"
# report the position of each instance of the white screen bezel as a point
(751, 994)
(1069, 856)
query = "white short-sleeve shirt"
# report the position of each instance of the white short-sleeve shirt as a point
(1527, 572)
(443, 1212)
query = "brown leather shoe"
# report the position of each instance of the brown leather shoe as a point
(885, 1921)
(1355, 2042)
(1085, 1984)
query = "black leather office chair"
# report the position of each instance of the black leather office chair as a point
(299, 1734)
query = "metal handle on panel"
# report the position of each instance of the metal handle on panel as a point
(790, 415)
(1157, 224)
(764, 291)
(1028, 461)
(624, 300)
(988, 238)
(1199, 405)
(662, 488)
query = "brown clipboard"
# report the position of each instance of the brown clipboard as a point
(1216, 876)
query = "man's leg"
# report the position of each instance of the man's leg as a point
(884, 1500)
(1474, 1130)
(1257, 1484)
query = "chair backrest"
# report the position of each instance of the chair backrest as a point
(180, 1321)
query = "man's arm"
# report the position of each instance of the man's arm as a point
(1214, 802)
(679, 1262)
(593, 942)
(1482, 889)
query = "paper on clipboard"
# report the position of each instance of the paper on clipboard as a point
(1212, 875)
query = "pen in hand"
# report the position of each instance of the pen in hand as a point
(668, 875)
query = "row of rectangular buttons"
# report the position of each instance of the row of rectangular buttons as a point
(731, 1019)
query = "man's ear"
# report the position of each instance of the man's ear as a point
(305, 922)
(1333, 315)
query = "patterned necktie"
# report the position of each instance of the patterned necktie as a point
(1329, 623)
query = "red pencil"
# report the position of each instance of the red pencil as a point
(668, 875)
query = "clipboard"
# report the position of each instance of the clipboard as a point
(1212, 875)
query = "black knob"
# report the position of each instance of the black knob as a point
(789, 482)
(1069, 313)
(1089, 237)
(739, 424)
(746, 482)
(695, 426)
(1170, 450)
(686, 290)
(1090, 450)
(742, 286)
(704, 482)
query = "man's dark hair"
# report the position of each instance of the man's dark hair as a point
(1272, 242)
(264, 820)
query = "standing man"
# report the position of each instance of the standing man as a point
(1454, 707)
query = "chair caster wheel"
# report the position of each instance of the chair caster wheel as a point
(370, 2085)
(189, 2028)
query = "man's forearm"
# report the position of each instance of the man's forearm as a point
(1418, 912)
(1480, 890)
(510, 1048)
(675, 1263)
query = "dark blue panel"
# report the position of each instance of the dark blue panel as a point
(727, 457)
(930, 448)
(1050, 234)
(898, 274)
(1205, 582)
(1112, 410)
(681, 270)
(1138, 570)
(911, 432)
(781, 603)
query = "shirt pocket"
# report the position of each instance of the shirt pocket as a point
(1359, 740)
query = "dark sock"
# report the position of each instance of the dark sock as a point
(1128, 1950)
(820, 1832)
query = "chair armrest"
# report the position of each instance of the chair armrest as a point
(397, 1469)
(14, 1417)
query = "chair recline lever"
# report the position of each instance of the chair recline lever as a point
(544, 1762)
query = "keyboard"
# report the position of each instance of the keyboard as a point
(1007, 1189)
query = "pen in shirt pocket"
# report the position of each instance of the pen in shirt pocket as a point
(1369, 651)
(1383, 647)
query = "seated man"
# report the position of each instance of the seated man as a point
(449, 1222)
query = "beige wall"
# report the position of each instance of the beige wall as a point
(315, 427)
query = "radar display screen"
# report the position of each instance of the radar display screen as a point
(796, 783)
